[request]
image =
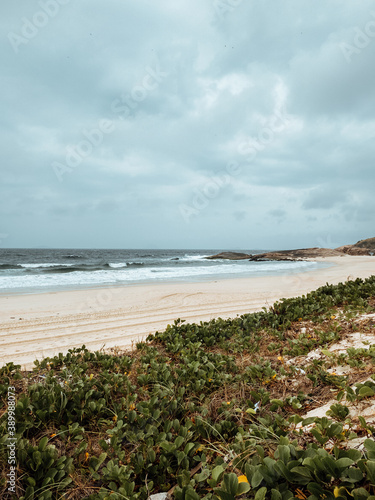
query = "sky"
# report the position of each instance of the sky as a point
(232, 124)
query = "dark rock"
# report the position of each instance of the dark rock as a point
(296, 255)
(362, 247)
(369, 244)
(230, 256)
(353, 250)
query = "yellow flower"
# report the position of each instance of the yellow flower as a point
(299, 319)
(91, 376)
(333, 317)
(274, 376)
(210, 379)
(242, 479)
(53, 435)
(228, 402)
(114, 418)
(132, 406)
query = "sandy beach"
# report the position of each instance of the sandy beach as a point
(39, 325)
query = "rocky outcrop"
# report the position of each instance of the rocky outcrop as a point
(230, 256)
(368, 244)
(299, 254)
(362, 247)
(353, 250)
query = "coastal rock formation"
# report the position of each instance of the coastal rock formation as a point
(296, 255)
(353, 250)
(230, 256)
(369, 244)
(362, 247)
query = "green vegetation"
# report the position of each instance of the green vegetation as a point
(211, 410)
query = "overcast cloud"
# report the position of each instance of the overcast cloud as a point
(187, 124)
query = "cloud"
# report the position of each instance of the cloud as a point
(262, 97)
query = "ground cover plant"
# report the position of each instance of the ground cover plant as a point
(215, 410)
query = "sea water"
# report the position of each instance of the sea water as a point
(38, 270)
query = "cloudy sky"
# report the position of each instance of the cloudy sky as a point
(187, 124)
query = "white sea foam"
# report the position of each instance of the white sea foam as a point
(144, 274)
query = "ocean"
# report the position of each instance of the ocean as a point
(42, 270)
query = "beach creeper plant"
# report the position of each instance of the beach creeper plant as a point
(202, 410)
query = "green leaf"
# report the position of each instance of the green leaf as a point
(224, 495)
(276, 495)
(352, 475)
(190, 494)
(217, 472)
(180, 456)
(261, 494)
(251, 411)
(260, 451)
(365, 392)
(353, 454)
(369, 444)
(179, 441)
(315, 489)
(168, 447)
(301, 471)
(243, 488)
(256, 479)
(284, 453)
(370, 468)
(344, 462)
(29, 493)
(360, 494)
(202, 476)
(43, 443)
(231, 483)
(188, 448)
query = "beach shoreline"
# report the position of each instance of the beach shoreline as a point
(39, 325)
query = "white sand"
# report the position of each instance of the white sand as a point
(40, 325)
